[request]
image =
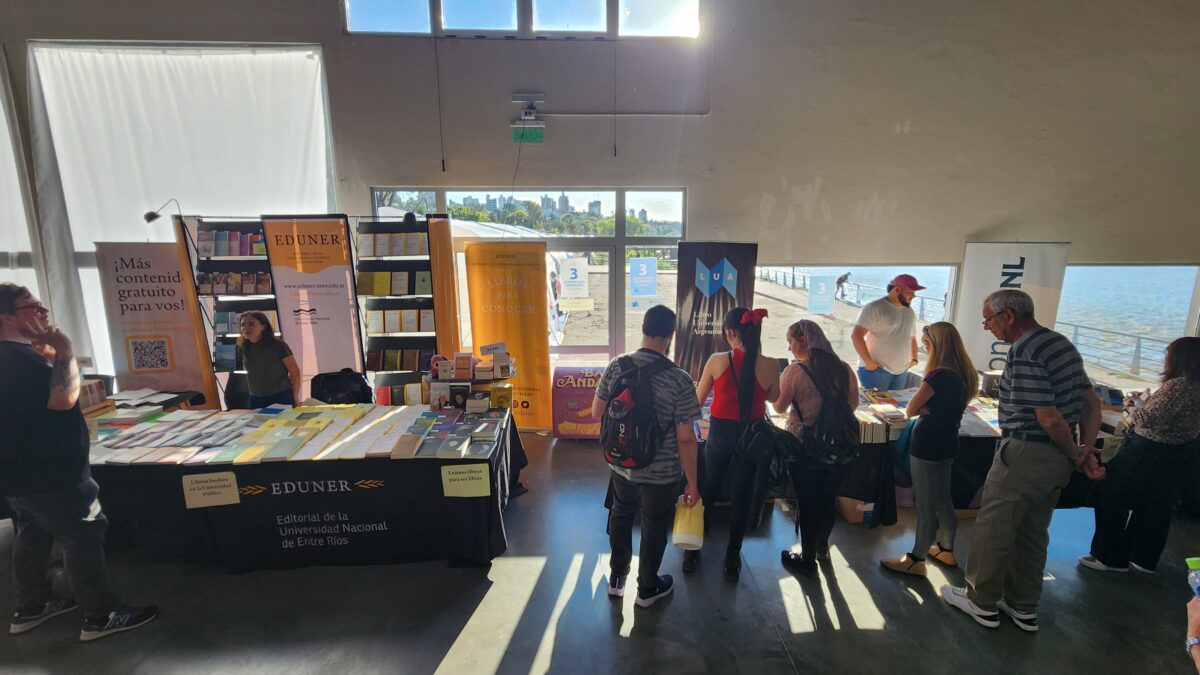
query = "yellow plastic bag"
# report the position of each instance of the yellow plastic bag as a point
(689, 526)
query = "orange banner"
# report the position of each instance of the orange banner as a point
(507, 285)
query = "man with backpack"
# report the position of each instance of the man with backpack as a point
(648, 410)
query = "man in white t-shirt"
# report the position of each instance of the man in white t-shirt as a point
(885, 336)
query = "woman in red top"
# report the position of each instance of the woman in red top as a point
(741, 381)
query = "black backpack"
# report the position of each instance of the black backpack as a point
(629, 430)
(833, 438)
(344, 386)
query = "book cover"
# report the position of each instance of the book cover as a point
(234, 245)
(233, 283)
(285, 448)
(273, 317)
(424, 356)
(391, 359)
(244, 243)
(408, 359)
(374, 359)
(478, 402)
(374, 321)
(203, 456)
(459, 393)
(258, 245)
(397, 394)
(422, 283)
(365, 244)
(391, 321)
(253, 454)
(501, 396)
(432, 443)
(463, 362)
(235, 322)
(219, 279)
(409, 321)
(228, 454)
(220, 243)
(224, 357)
(453, 447)
(364, 283)
(425, 321)
(383, 395)
(221, 323)
(263, 284)
(382, 245)
(445, 370)
(382, 284)
(412, 394)
(479, 450)
(204, 283)
(422, 243)
(439, 395)
(399, 283)
(397, 245)
(487, 430)
(249, 283)
(205, 244)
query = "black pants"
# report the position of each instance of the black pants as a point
(816, 487)
(1144, 478)
(720, 462)
(656, 506)
(73, 517)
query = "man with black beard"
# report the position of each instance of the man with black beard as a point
(885, 336)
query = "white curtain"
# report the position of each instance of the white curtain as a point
(118, 130)
(14, 216)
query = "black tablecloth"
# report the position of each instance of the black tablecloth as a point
(293, 514)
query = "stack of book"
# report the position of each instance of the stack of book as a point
(222, 244)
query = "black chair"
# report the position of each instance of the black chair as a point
(237, 391)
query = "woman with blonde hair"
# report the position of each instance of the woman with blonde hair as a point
(950, 383)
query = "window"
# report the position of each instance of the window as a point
(387, 16)
(654, 214)
(663, 18)
(1121, 318)
(570, 16)
(490, 15)
(545, 212)
(784, 291)
(397, 202)
(14, 228)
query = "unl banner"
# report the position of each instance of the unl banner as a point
(153, 319)
(314, 292)
(714, 277)
(507, 285)
(1036, 268)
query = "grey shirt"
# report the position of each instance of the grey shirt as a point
(674, 403)
(1043, 370)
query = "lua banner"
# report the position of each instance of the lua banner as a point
(154, 319)
(314, 292)
(507, 285)
(1036, 268)
(714, 277)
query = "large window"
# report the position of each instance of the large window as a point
(576, 213)
(784, 291)
(541, 18)
(389, 202)
(675, 18)
(387, 16)
(132, 127)
(1121, 318)
(16, 257)
(570, 16)
(493, 15)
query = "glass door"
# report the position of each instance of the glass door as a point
(584, 328)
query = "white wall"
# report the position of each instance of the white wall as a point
(845, 131)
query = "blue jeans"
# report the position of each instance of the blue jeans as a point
(881, 379)
(264, 401)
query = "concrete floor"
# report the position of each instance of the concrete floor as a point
(542, 607)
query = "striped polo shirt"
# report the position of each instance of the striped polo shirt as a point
(1043, 370)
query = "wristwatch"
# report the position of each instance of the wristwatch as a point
(1191, 642)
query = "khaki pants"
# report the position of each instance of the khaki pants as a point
(1012, 530)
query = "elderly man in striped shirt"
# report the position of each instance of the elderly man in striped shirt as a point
(1045, 397)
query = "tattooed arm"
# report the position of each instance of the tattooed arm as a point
(64, 373)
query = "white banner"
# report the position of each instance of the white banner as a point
(314, 292)
(1036, 268)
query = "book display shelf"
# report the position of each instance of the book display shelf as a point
(394, 284)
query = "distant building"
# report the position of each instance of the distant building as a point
(491, 203)
(642, 215)
(473, 202)
(564, 204)
(594, 208)
(632, 214)
(547, 203)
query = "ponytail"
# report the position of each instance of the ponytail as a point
(749, 330)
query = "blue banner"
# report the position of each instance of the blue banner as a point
(821, 291)
(643, 277)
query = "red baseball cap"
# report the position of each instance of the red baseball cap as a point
(907, 281)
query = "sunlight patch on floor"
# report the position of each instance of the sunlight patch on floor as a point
(858, 598)
(541, 661)
(482, 643)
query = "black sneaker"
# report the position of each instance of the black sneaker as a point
(649, 596)
(27, 619)
(119, 620)
(733, 568)
(796, 562)
(690, 558)
(616, 586)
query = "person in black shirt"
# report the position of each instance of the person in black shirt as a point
(950, 384)
(46, 478)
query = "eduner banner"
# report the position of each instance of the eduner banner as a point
(1036, 268)
(153, 320)
(314, 292)
(714, 277)
(507, 285)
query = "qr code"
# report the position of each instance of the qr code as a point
(149, 355)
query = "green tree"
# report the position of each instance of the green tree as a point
(467, 213)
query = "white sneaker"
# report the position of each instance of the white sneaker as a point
(1091, 562)
(1141, 569)
(956, 597)
(1026, 621)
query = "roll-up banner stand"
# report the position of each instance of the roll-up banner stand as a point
(1034, 267)
(154, 319)
(714, 277)
(313, 274)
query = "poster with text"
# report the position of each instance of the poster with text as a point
(820, 294)
(314, 292)
(714, 277)
(1036, 268)
(153, 319)
(507, 286)
(643, 277)
(575, 278)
